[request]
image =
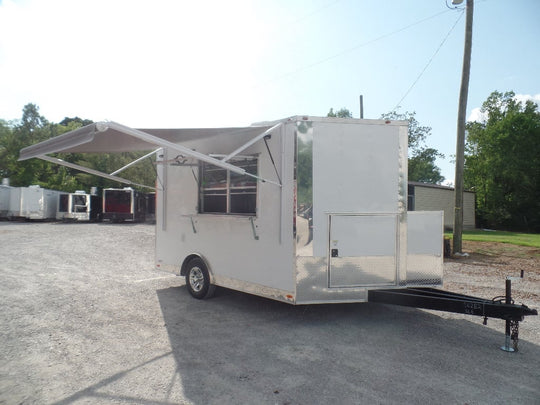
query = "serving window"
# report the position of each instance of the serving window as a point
(224, 192)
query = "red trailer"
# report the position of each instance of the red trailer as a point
(123, 204)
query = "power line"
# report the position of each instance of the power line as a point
(429, 62)
(311, 14)
(353, 48)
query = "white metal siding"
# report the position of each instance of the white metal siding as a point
(5, 192)
(257, 250)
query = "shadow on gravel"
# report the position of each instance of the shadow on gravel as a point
(238, 348)
(93, 391)
(241, 349)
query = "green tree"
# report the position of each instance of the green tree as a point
(422, 159)
(76, 122)
(33, 128)
(6, 133)
(343, 113)
(422, 167)
(31, 121)
(502, 163)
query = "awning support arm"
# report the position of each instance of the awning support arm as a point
(91, 171)
(103, 126)
(272, 158)
(135, 162)
(251, 142)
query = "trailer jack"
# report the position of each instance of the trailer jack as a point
(512, 326)
(440, 300)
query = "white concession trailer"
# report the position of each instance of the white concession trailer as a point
(327, 223)
(301, 210)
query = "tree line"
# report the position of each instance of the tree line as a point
(33, 128)
(502, 163)
(502, 159)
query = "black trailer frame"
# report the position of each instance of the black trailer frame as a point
(440, 300)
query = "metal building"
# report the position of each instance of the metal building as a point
(434, 197)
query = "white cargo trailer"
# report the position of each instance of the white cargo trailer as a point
(33, 203)
(15, 209)
(301, 210)
(38, 203)
(5, 192)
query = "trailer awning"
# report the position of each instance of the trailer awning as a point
(111, 137)
(103, 137)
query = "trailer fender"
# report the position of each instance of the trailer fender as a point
(184, 266)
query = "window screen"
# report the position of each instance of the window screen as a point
(225, 192)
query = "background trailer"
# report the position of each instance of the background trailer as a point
(5, 193)
(123, 204)
(33, 202)
(79, 206)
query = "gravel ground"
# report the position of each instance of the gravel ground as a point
(483, 274)
(87, 320)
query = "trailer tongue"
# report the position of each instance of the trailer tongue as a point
(440, 300)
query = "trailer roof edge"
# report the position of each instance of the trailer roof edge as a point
(300, 118)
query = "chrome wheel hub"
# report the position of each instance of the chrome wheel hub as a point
(196, 279)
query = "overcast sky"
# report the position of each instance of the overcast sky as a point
(231, 63)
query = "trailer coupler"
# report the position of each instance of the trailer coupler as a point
(440, 300)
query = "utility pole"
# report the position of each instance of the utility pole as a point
(460, 143)
(361, 106)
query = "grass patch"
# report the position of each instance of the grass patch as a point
(514, 238)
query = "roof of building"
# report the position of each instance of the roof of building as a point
(431, 185)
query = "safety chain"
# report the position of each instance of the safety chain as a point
(514, 333)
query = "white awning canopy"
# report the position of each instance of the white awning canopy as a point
(111, 137)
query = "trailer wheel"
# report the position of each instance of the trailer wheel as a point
(198, 280)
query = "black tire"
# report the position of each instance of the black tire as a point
(198, 280)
